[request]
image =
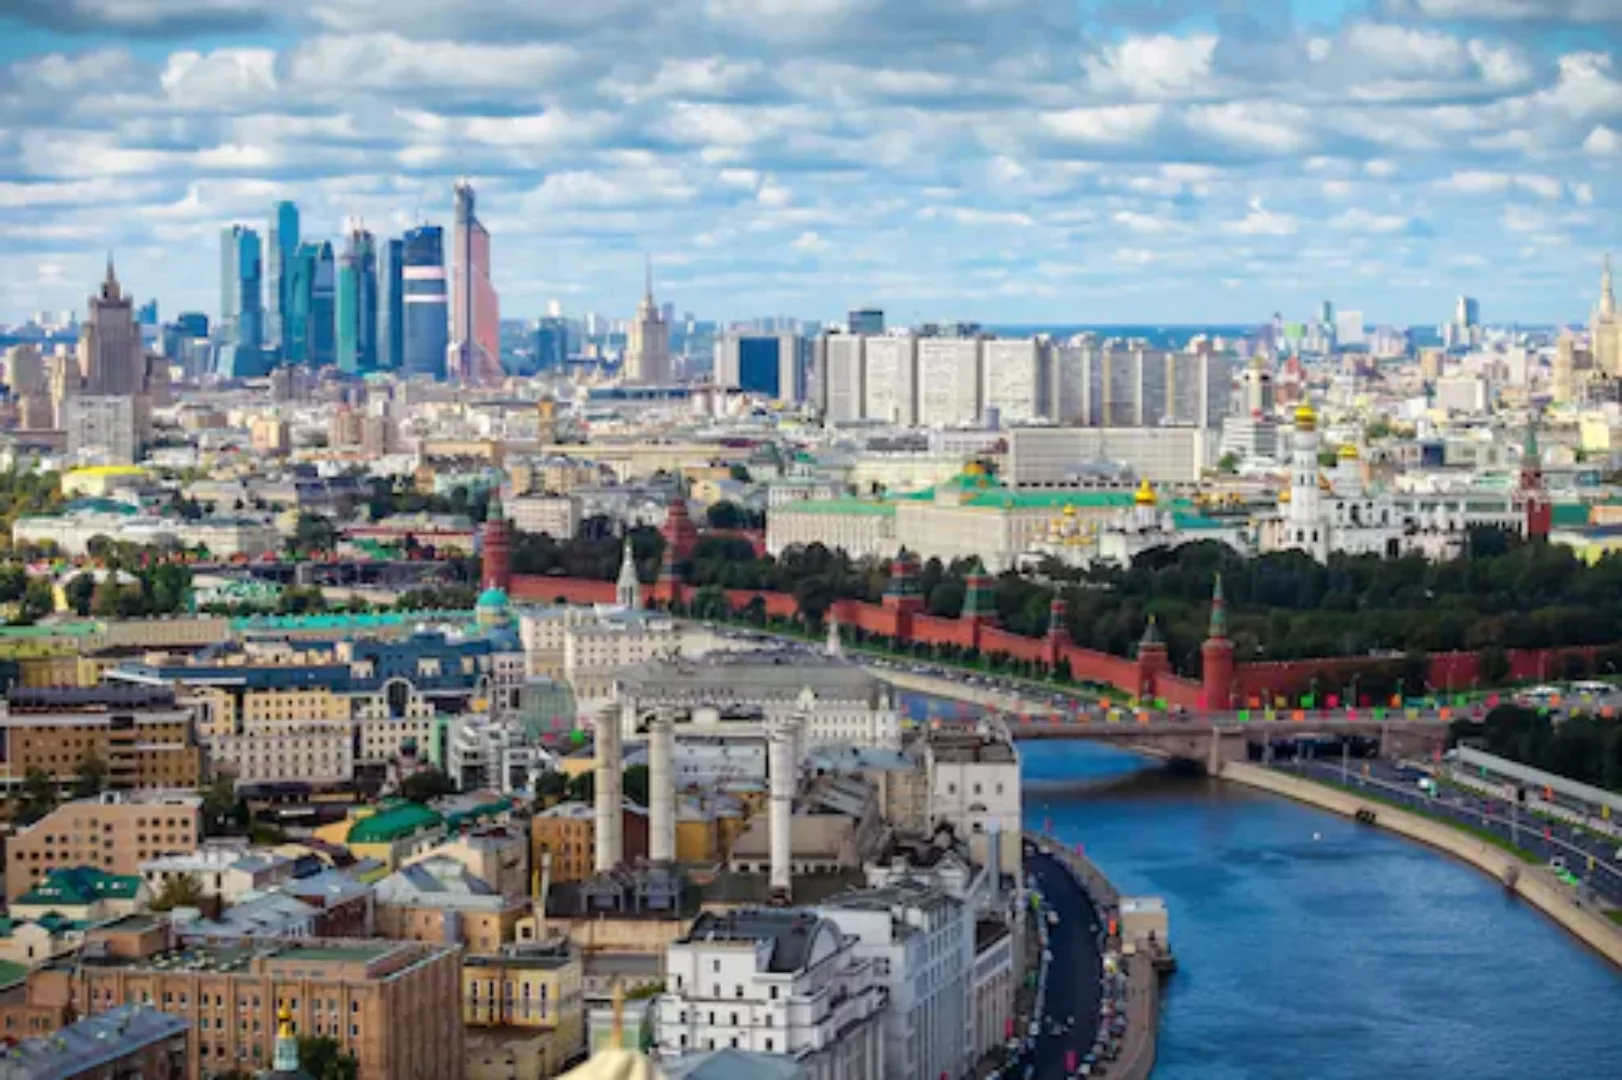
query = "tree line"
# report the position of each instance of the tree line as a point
(1502, 593)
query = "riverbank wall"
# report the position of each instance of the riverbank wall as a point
(1526, 881)
(1137, 1058)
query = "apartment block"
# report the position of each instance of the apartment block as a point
(393, 1005)
(113, 833)
(141, 734)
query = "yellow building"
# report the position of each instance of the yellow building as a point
(524, 1011)
(99, 481)
(390, 834)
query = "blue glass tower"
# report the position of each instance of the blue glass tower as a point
(551, 344)
(425, 304)
(240, 330)
(323, 331)
(390, 305)
(284, 243)
(357, 304)
(241, 321)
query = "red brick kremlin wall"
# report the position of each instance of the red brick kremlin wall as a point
(1458, 671)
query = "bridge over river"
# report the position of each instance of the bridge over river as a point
(1209, 737)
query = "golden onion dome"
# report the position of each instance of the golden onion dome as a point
(1305, 418)
(1069, 510)
(1348, 452)
(1145, 495)
(1284, 496)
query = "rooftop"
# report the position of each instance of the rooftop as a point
(791, 933)
(393, 823)
(87, 1047)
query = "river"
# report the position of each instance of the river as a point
(1313, 948)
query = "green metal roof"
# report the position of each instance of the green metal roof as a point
(394, 822)
(1570, 515)
(47, 630)
(865, 507)
(341, 621)
(79, 886)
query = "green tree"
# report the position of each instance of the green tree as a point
(634, 784)
(426, 785)
(314, 533)
(740, 473)
(1228, 464)
(79, 591)
(583, 786)
(324, 1058)
(37, 797)
(725, 515)
(92, 777)
(39, 599)
(223, 811)
(182, 890)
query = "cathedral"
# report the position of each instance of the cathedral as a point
(1321, 515)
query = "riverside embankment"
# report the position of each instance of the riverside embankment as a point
(1138, 998)
(1531, 883)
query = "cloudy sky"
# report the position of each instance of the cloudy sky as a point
(1098, 161)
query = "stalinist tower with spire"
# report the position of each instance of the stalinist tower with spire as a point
(647, 350)
(1606, 331)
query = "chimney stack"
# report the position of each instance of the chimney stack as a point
(661, 788)
(784, 767)
(610, 802)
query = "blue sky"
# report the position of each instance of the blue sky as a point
(1001, 160)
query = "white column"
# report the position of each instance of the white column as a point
(661, 788)
(609, 802)
(783, 768)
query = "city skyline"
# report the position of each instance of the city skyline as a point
(998, 161)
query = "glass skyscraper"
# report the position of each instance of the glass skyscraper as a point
(241, 321)
(322, 348)
(551, 343)
(357, 304)
(426, 308)
(475, 305)
(390, 305)
(284, 243)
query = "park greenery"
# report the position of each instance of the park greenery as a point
(1502, 594)
(1578, 747)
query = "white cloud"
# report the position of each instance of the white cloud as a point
(1269, 126)
(1262, 222)
(1359, 220)
(1157, 67)
(1603, 141)
(1104, 124)
(1136, 222)
(809, 241)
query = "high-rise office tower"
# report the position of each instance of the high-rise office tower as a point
(241, 322)
(426, 311)
(1467, 313)
(390, 305)
(147, 314)
(647, 348)
(299, 289)
(475, 348)
(284, 242)
(357, 303)
(551, 343)
(1605, 333)
(323, 333)
(111, 359)
(868, 321)
(773, 365)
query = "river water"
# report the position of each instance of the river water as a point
(1312, 948)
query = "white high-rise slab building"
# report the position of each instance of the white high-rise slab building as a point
(891, 391)
(948, 381)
